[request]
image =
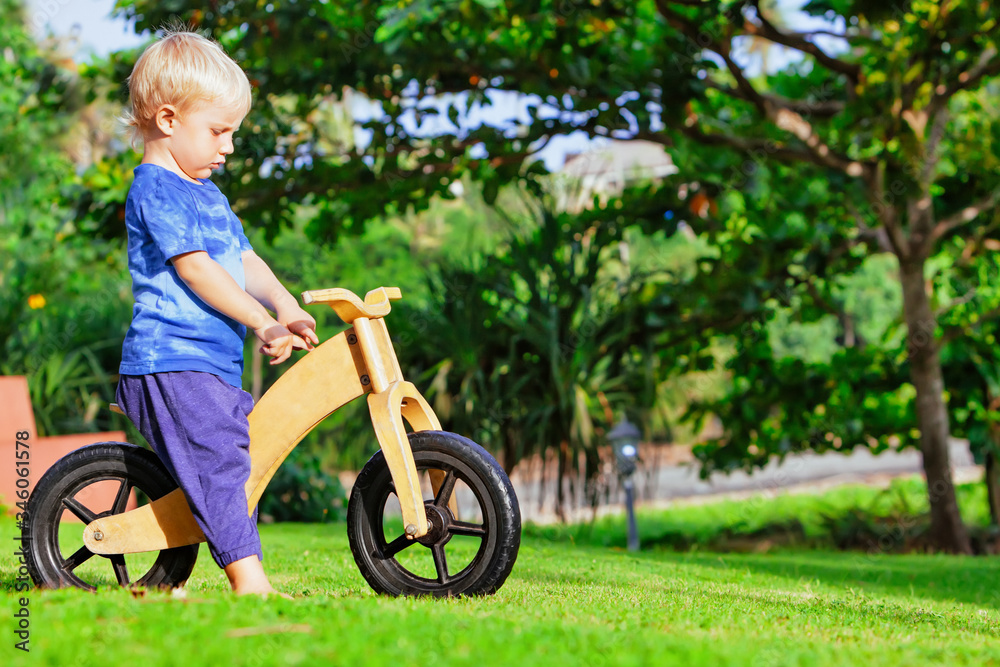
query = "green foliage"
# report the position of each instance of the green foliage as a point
(972, 363)
(301, 55)
(395, 252)
(785, 236)
(63, 306)
(542, 344)
(29, 178)
(302, 490)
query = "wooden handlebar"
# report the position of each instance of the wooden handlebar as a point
(350, 307)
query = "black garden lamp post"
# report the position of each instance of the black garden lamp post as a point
(624, 439)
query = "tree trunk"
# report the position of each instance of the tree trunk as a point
(948, 533)
(256, 374)
(993, 487)
(561, 475)
(508, 451)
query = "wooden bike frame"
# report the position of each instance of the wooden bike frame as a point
(355, 362)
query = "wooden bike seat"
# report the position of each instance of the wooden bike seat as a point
(350, 307)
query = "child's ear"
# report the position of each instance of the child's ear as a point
(165, 119)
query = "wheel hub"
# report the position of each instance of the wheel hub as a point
(101, 516)
(438, 522)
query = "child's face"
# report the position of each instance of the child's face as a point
(202, 138)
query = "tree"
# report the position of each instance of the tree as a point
(881, 119)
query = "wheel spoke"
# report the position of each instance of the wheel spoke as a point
(81, 512)
(78, 558)
(440, 563)
(121, 572)
(396, 546)
(444, 493)
(121, 500)
(466, 528)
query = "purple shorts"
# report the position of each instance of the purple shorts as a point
(197, 424)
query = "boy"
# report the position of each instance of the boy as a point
(198, 286)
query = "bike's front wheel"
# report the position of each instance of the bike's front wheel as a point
(469, 554)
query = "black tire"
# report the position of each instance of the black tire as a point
(132, 466)
(499, 534)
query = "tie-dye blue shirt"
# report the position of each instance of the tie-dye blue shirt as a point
(172, 328)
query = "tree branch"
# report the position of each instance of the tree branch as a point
(986, 65)
(931, 155)
(769, 148)
(980, 242)
(849, 35)
(965, 215)
(876, 194)
(744, 86)
(965, 298)
(843, 318)
(792, 122)
(879, 234)
(798, 42)
(951, 333)
(783, 117)
(813, 109)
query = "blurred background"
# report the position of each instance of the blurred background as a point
(762, 231)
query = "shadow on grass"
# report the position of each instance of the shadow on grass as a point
(945, 578)
(938, 577)
(867, 592)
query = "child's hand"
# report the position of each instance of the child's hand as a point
(278, 341)
(301, 323)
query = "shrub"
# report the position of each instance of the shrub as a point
(302, 490)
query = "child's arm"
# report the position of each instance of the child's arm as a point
(267, 289)
(216, 287)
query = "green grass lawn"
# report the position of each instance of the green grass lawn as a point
(566, 603)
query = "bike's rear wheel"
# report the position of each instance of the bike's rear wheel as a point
(471, 554)
(56, 554)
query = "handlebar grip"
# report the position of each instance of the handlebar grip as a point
(349, 306)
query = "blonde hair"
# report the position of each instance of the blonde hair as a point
(187, 70)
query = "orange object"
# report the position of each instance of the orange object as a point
(18, 416)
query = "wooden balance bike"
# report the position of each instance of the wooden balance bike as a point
(403, 509)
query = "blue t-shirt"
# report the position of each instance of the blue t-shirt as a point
(172, 328)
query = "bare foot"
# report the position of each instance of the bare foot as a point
(247, 577)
